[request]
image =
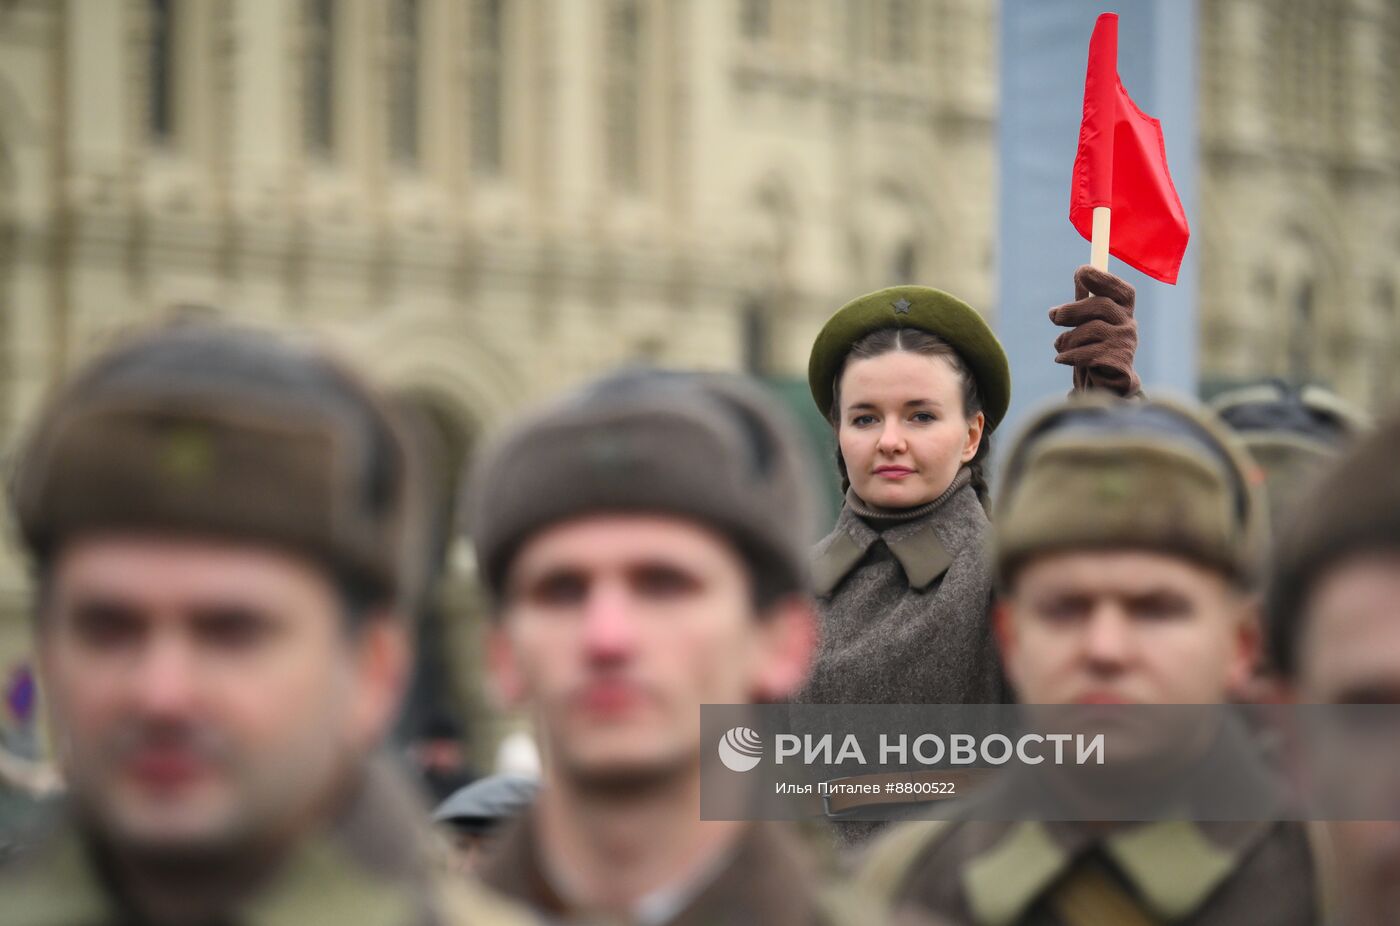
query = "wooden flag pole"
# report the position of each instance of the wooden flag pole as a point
(1098, 247)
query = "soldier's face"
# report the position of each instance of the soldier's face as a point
(616, 628)
(1350, 649)
(1124, 628)
(902, 431)
(1350, 654)
(207, 695)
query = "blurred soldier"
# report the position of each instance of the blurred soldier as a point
(221, 526)
(475, 814)
(1292, 433)
(1334, 607)
(645, 543)
(1126, 538)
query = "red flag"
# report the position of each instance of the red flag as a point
(1122, 164)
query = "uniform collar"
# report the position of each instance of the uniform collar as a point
(882, 518)
(760, 881)
(1174, 866)
(328, 878)
(910, 535)
(57, 885)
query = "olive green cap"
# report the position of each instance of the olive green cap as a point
(926, 309)
(1101, 472)
(1308, 411)
(1293, 433)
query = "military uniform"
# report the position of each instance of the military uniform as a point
(709, 450)
(1074, 874)
(904, 599)
(904, 593)
(1095, 474)
(204, 431)
(374, 867)
(765, 879)
(1291, 433)
(1328, 630)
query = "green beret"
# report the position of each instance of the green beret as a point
(927, 309)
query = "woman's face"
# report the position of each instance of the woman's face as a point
(902, 430)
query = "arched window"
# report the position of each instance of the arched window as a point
(443, 438)
(160, 70)
(1306, 59)
(486, 36)
(1265, 287)
(623, 94)
(900, 30)
(1385, 340)
(319, 27)
(1385, 307)
(1301, 335)
(898, 224)
(756, 338)
(905, 266)
(756, 19)
(404, 54)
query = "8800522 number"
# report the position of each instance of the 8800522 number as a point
(922, 787)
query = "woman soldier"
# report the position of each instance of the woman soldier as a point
(914, 382)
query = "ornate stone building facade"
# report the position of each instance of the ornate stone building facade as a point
(484, 201)
(1300, 193)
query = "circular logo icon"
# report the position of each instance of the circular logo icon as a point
(740, 749)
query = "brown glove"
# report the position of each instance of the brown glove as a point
(1103, 336)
